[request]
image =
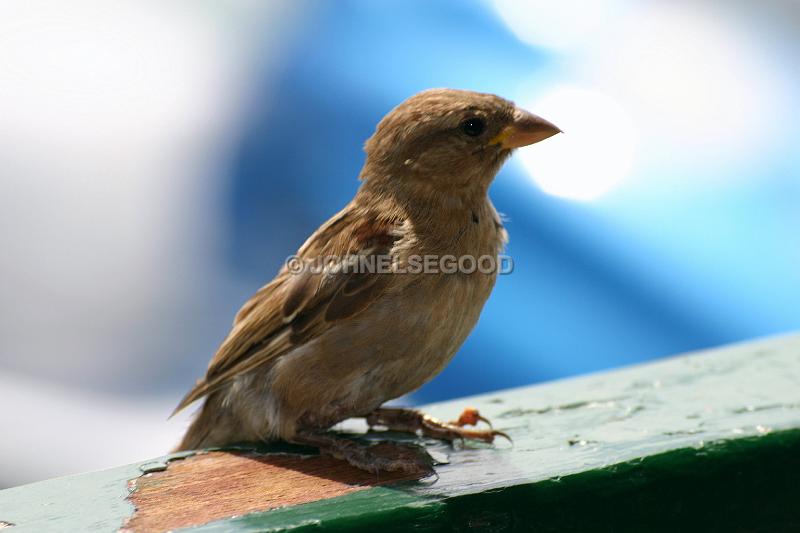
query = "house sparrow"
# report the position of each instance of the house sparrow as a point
(320, 345)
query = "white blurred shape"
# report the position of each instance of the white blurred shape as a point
(54, 430)
(106, 115)
(593, 155)
(559, 24)
(81, 76)
(697, 83)
(116, 120)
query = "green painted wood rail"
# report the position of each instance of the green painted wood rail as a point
(708, 441)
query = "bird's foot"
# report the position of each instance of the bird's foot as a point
(413, 421)
(375, 458)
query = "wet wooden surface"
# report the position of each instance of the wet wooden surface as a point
(216, 485)
(710, 439)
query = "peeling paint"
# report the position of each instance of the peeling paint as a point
(93, 502)
(686, 409)
(161, 464)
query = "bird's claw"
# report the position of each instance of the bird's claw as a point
(411, 420)
(392, 457)
(453, 431)
(382, 457)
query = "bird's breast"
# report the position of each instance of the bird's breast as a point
(402, 340)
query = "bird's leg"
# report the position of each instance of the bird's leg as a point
(375, 458)
(413, 421)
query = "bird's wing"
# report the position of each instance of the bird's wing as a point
(294, 308)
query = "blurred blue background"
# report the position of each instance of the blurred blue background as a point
(160, 160)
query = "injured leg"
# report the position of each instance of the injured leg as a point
(413, 421)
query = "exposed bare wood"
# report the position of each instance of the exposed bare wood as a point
(217, 485)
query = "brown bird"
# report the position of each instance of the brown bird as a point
(316, 346)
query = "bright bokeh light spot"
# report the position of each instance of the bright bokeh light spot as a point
(593, 155)
(694, 80)
(558, 24)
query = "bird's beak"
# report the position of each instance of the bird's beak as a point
(525, 129)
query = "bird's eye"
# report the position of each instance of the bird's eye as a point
(473, 126)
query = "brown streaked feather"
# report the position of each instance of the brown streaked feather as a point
(355, 297)
(300, 289)
(263, 293)
(295, 308)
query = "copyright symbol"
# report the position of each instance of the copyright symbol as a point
(294, 264)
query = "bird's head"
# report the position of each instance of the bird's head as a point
(450, 140)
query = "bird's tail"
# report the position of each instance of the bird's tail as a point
(206, 428)
(200, 389)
